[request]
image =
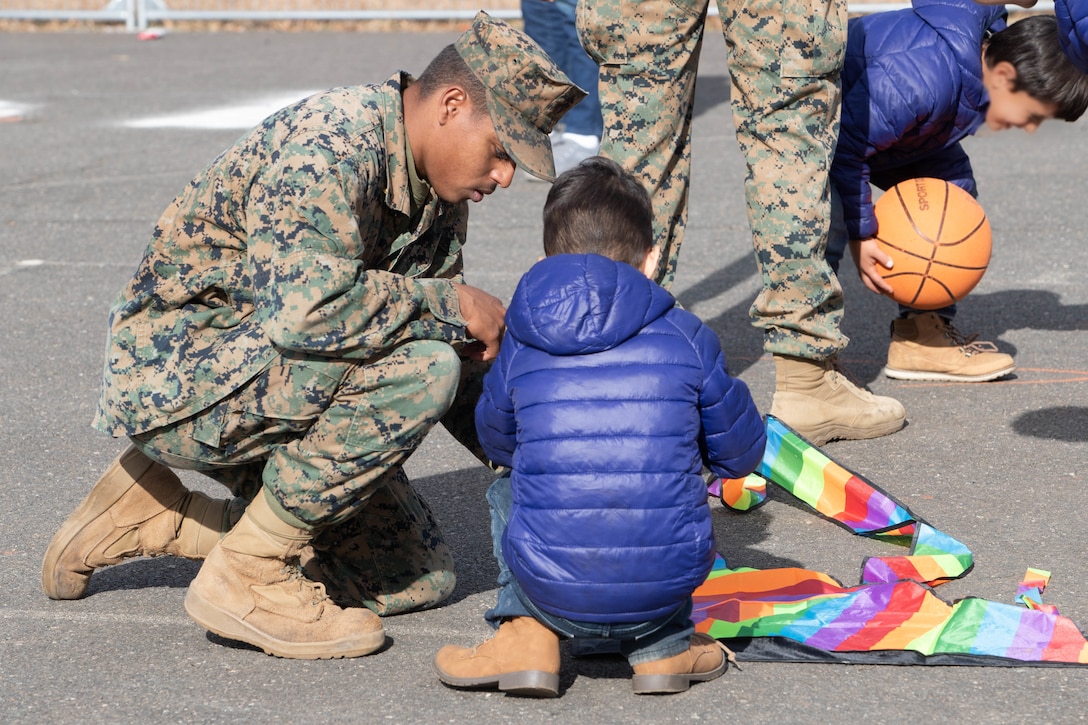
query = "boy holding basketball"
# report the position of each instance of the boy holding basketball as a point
(915, 83)
(606, 401)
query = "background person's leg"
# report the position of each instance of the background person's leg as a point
(784, 62)
(648, 54)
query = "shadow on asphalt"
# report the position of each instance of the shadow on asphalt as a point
(1062, 423)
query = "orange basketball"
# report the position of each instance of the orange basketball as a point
(939, 238)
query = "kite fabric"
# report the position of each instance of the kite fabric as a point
(893, 616)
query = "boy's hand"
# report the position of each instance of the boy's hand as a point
(870, 259)
(485, 321)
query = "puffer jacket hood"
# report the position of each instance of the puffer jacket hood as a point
(573, 304)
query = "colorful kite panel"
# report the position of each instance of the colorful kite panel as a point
(893, 616)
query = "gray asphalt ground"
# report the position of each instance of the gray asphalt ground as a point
(1000, 466)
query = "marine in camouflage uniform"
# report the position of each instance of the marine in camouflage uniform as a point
(784, 60)
(297, 326)
(292, 314)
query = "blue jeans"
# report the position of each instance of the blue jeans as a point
(837, 240)
(638, 641)
(551, 25)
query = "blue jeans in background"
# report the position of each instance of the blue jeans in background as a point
(639, 642)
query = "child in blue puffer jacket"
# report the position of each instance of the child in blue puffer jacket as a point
(914, 84)
(606, 401)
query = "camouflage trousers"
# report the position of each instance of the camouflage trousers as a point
(784, 61)
(328, 438)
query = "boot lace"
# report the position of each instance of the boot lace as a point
(306, 587)
(730, 656)
(836, 367)
(968, 344)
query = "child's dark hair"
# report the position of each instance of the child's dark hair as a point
(598, 208)
(1042, 69)
(449, 68)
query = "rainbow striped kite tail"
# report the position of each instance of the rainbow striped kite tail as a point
(832, 490)
(935, 558)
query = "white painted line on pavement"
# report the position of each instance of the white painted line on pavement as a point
(12, 111)
(241, 116)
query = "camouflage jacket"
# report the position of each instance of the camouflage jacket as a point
(301, 237)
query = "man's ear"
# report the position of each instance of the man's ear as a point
(452, 102)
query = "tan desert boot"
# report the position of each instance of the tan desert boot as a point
(138, 508)
(822, 405)
(928, 347)
(706, 659)
(250, 589)
(521, 659)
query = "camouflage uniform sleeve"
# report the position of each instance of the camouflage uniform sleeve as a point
(324, 282)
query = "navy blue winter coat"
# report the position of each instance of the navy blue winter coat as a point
(911, 90)
(605, 401)
(1072, 18)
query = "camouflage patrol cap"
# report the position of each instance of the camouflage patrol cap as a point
(527, 94)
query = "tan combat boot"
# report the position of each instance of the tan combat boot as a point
(928, 347)
(821, 404)
(250, 589)
(704, 660)
(521, 659)
(138, 508)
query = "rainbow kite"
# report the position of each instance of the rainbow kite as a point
(893, 616)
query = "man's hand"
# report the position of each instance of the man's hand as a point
(484, 320)
(869, 258)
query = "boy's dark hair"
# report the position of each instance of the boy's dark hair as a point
(449, 69)
(1042, 69)
(598, 208)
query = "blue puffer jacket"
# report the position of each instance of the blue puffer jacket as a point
(911, 90)
(1072, 18)
(606, 400)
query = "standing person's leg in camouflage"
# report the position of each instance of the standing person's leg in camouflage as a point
(784, 61)
(648, 54)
